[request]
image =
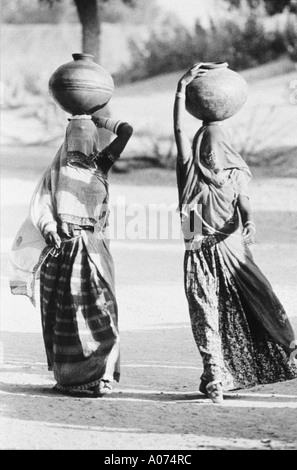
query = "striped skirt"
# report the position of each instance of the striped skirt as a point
(79, 319)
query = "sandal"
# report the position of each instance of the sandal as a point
(215, 392)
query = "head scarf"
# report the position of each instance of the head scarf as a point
(82, 136)
(193, 176)
(80, 189)
(213, 140)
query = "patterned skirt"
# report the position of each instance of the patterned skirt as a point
(79, 319)
(235, 347)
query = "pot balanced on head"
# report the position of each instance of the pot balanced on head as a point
(217, 95)
(81, 86)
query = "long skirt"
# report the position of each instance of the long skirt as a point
(235, 346)
(79, 319)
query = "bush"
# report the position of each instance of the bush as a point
(241, 43)
(167, 51)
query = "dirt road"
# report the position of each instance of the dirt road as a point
(156, 405)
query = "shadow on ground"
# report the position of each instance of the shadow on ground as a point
(158, 392)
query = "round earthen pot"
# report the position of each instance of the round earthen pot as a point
(81, 86)
(217, 95)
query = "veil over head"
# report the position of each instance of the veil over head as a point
(213, 139)
(82, 136)
(80, 188)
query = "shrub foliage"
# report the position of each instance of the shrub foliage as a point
(243, 44)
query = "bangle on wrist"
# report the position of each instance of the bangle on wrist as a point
(180, 94)
(107, 123)
(250, 222)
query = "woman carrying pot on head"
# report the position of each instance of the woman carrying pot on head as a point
(69, 210)
(240, 327)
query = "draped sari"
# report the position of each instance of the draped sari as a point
(240, 327)
(77, 292)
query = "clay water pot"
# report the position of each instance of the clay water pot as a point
(81, 86)
(217, 95)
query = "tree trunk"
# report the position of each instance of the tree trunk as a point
(89, 16)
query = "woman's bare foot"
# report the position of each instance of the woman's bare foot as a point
(215, 392)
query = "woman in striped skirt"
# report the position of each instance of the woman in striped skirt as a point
(77, 295)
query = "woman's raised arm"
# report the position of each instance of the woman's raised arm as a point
(182, 141)
(124, 133)
(123, 130)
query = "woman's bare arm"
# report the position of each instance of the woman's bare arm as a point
(182, 141)
(124, 133)
(123, 130)
(249, 226)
